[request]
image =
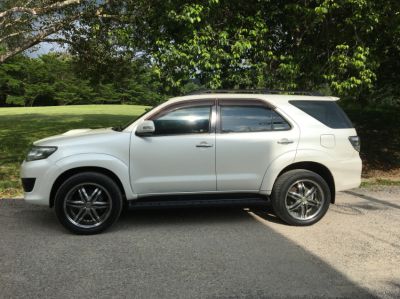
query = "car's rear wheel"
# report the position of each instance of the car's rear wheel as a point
(300, 197)
(88, 203)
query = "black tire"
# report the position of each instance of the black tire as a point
(98, 210)
(289, 181)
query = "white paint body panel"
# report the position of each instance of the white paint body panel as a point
(103, 148)
(237, 162)
(242, 157)
(172, 164)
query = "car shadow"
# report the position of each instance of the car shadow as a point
(195, 215)
(372, 199)
(167, 253)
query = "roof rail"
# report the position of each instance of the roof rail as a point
(255, 91)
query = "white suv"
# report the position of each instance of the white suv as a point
(207, 148)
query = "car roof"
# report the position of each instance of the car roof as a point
(274, 99)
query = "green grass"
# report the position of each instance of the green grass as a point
(379, 182)
(19, 127)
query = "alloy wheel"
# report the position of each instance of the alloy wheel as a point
(87, 205)
(304, 199)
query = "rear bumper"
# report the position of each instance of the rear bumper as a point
(347, 173)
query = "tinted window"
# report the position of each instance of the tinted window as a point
(250, 119)
(186, 120)
(278, 122)
(327, 112)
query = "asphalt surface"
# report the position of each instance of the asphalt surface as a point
(354, 252)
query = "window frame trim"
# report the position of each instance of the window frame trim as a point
(246, 102)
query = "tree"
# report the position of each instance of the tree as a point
(24, 24)
(346, 47)
(57, 79)
(333, 46)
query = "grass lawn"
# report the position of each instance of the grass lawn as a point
(19, 127)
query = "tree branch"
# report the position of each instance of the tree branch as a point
(2, 39)
(57, 40)
(40, 10)
(38, 36)
(36, 39)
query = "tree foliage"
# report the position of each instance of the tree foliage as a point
(350, 48)
(56, 79)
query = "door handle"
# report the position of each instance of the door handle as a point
(204, 144)
(285, 141)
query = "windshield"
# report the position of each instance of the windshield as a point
(123, 127)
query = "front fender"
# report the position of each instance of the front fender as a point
(109, 162)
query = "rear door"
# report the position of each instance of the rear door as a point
(250, 135)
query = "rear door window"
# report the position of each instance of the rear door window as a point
(250, 118)
(327, 112)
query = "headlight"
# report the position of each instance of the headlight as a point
(40, 152)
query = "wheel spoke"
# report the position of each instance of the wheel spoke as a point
(303, 211)
(302, 188)
(312, 203)
(93, 218)
(95, 195)
(94, 213)
(79, 216)
(313, 199)
(294, 195)
(294, 206)
(310, 192)
(100, 205)
(83, 194)
(75, 203)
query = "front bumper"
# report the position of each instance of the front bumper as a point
(45, 173)
(28, 184)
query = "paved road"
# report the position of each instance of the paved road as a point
(207, 253)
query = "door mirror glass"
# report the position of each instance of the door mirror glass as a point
(146, 128)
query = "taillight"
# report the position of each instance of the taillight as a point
(355, 142)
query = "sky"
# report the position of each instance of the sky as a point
(44, 48)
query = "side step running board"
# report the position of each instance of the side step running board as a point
(170, 203)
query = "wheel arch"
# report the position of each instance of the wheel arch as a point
(70, 172)
(316, 167)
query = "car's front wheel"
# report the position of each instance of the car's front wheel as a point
(88, 203)
(300, 197)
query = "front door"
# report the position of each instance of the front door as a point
(180, 156)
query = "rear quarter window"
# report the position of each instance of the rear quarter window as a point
(327, 112)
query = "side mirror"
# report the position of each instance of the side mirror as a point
(146, 128)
